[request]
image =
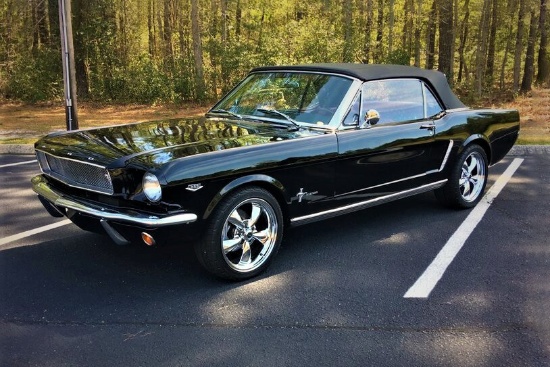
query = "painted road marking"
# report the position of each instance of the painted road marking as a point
(428, 280)
(32, 232)
(17, 164)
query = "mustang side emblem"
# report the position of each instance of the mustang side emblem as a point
(194, 187)
(300, 195)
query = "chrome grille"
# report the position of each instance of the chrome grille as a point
(76, 173)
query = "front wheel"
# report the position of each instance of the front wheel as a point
(467, 180)
(243, 235)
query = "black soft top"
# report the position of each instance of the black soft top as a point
(366, 72)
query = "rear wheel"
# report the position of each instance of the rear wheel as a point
(243, 235)
(467, 180)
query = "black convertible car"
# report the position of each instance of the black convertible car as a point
(287, 146)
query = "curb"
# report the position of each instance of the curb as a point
(516, 150)
(529, 149)
(16, 149)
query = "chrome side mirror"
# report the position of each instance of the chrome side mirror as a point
(371, 118)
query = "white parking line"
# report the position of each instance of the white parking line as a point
(31, 232)
(428, 280)
(17, 164)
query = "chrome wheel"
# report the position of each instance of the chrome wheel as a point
(243, 234)
(467, 179)
(249, 235)
(473, 176)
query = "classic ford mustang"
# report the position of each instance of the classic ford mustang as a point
(287, 146)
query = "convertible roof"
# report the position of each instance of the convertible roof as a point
(366, 72)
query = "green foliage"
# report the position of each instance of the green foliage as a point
(144, 51)
(140, 82)
(35, 78)
(398, 57)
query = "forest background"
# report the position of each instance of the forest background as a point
(151, 51)
(193, 51)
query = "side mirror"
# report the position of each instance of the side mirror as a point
(371, 118)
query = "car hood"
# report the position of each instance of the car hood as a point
(152, 144)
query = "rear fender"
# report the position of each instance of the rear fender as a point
(480, 140)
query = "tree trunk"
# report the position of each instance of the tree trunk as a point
(151, 28)
(197, 51)
(481, 53)
(347, 20)
(417, 33)
(34, 24)
(446, 38)
(489, 70)
(160, 29)
(543, 75)
(463, 38)
(406, 33)
(226, 80)
(80, 10)
(123, 33)
(261, 33)
(511, 9)
(183, 29)
(53, 20)
(167, 35)
(225, 26)
(238, 18)
(367, 48)
(529, 69)
(430, 57)
(43, 24)
(391, 24)
(379, 51)
(519, 43)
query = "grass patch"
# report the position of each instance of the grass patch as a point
(18, 140)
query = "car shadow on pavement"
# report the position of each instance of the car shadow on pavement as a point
(86, 279)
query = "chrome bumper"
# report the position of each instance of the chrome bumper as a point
(41, 187)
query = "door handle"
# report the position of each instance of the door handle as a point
(428, 127)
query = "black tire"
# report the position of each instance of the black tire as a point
(243, 235)
(467, 179)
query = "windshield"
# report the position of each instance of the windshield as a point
(295, 97)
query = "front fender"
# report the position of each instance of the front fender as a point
(268, 182)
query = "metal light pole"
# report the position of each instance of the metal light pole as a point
(67, 55)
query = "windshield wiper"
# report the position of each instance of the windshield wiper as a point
(226, 112)
(279, 113)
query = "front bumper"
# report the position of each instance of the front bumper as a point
(59, 201)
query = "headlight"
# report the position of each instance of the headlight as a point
(151, 187)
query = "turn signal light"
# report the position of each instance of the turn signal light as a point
(148, 239)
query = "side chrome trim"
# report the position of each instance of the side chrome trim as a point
(447, 154)
(385, 184)
(41, 187)
(366, 204)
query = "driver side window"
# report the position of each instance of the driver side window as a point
(396, 100)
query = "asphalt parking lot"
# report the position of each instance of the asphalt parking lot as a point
(337, 293)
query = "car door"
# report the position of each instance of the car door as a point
(396, 153)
